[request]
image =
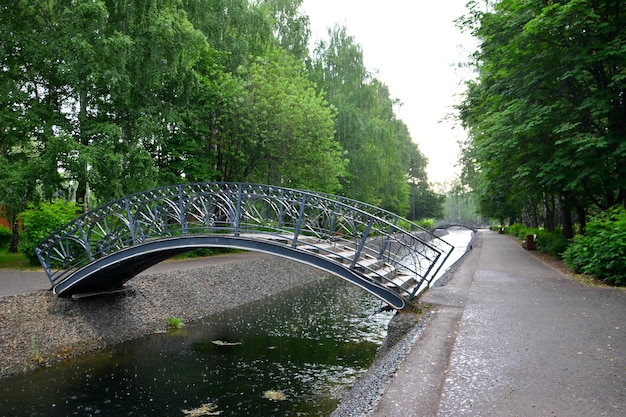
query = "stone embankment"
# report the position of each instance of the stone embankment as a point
(39, 328)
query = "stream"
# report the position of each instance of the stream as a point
(293, 354)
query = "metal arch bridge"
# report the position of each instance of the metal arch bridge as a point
(382, 253)
(442, 226)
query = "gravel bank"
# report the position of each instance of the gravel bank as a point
(39, 328)
(404, 330)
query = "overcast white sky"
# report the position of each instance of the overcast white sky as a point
(414, 47)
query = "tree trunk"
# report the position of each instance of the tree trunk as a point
(534, 217)
(582, 218)
(81, 192)
(568, 225)
(82, 176)
(15, 235)
(512, 220)
(549, 222)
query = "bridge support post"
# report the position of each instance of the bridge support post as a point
(182, 211)
(131, 223)
(359, 249)
(298, 226)
(237, 218)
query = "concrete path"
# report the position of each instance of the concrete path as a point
(20, 282)
(512, 336)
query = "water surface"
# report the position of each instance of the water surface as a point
(295, 354)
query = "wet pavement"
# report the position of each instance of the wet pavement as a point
(511, 336)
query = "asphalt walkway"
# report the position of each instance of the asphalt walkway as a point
(512, 336)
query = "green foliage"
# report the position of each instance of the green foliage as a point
(105, 98)
(175, 322)
(545, 114)
(199, 253)
(460, 205)
(428, 224)
(12, 260)
(553, 243)
(34, 350)
(602, 250)
(38, 222)
(424, 202)
(293, 139)
(5, 237)
(384, 166)
(519, 230)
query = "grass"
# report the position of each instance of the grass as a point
(9, 260)
(175, 322)
(34, 350)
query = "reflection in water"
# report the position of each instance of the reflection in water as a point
(295, 354)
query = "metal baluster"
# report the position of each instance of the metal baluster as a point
(366, 234)
(296, 231)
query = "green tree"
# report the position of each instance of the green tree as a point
(378, 146)
(42, 220)
(424, 202)
(545, 115)
(290, 26)
(28, 118)
(282, 128)
(101, 98)
(237, 29)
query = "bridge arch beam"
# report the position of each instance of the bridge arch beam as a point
(111, 272)
(364, 244)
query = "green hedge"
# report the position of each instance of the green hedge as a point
(5, 237)
(520, 231)
(552, 243)
(38, 222)
(602, 250)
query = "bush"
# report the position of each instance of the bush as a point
(5, 237)
(602, 250)
(38, 222)
(519, 230)
(552, 243)
(428, 224)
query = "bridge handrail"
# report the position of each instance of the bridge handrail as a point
(236, 208)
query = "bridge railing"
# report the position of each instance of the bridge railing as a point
(302, 219)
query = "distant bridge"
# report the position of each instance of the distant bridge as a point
(442, 226)
(386, 255)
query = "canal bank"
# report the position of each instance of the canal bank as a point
(38, 328)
